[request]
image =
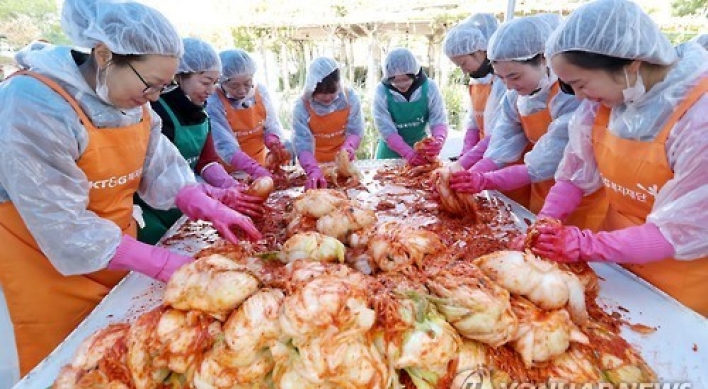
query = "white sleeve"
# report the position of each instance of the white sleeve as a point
(165, 171)
(578, 164)
(543, 160)
(436, 105)
(680, 209)
(302, 135)
(355, 124)
(272, 122)
(41, 138)
(509, 141)
(382, 117)
(224, 139)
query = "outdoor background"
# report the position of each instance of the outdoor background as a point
(284, 35)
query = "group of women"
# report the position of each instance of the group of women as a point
(596, 123)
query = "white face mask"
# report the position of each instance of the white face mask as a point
(632, 94)
(102, 85)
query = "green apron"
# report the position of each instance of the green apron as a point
(189, 140)
(410, 117)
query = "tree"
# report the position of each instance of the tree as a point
(22, 21)
(690, 7)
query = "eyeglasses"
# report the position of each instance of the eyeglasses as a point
(152, 89)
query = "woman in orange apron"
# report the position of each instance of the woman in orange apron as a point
(243, 117)
(466, 46)
(77, 141)
(533, 127)
(641, 135)
(326, 119)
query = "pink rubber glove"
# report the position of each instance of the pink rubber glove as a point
(275, 146)
(155, 262)
(563, 198)
(236, 199)
(196, 204)
(635, 245)
(396, 143)
(351, 145)
(315, 178)
(439, 133)
(475, 154)
(484, 165)
(509, 178)
(215, 175)
(243, 162)
(471, 139)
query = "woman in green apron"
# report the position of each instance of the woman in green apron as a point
(186, 125)
(406, 104)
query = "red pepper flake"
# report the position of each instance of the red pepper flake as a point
(695, 348)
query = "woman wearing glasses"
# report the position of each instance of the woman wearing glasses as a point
(406, 103)
(77, 140)
(243, 117)
(326, 119)
(186, 125)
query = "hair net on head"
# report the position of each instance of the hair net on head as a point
(553, 20)
(616, 28)
(462, 40)
(236, 62)
(702, 40)
(198, 57)
(127, 28)
(486, 23)
(400, 61)
(319, 68)
(518, 39)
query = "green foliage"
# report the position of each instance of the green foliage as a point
(243, 38)
(453, 92)
(689, 7)
(22, 21)
(36, 9)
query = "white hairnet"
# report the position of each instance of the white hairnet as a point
(616, 28)
(127, 28)
(319, 68)
(462, 40)
(518, 39)
(486, 23)
(400, 61)
(702, 40)
(198, 57)
(553, 20)
(236, 62)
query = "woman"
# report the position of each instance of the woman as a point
(243, 117)
(466, 46)
(406, 103)
(641, 133)
(77, 140)
(533, 127)
(326, 119)
(186, 125)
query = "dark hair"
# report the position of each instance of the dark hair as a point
(329, 84)
(594, 61)
(123, 59)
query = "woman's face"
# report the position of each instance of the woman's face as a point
(401, 82)
(520, 76)
(135, 83)
(596, 85)
(325, 98)
(469, 63)
(199, 86)
(238, 87)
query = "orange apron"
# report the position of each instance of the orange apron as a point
(479, 94)
(329, 131)
(45, 306)
(592, 209)
(247, 125)
(631, 181)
